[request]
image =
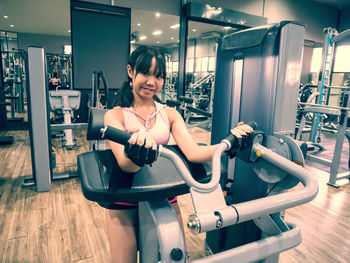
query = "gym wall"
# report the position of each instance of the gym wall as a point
(51, 43)
(100, 42)
(275, 10)
(344, 21)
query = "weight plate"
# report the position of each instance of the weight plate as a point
(266, 171)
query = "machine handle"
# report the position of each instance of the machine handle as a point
(115, 135)
(122, 137)
(186, 99)
(173, 103)
(233, 141)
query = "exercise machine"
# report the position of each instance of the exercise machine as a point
(64, 102)
(160, 234)
(247, 225)
(14, 93)
(4, 140)
(194, 117)
(330, 40)
(98, 100)
(258, 72)
(342, 132)
(43, 161)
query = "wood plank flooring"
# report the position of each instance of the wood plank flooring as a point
(62, 226)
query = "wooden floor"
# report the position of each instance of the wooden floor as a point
(62, 226)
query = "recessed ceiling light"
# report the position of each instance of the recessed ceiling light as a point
(194, 30)
(11, 25)
(156, 33)
(157, 14)
(132, 41)
(158, 42)
(172, 38)
(138, 24)
(143, 37)
(69, 31)
(175, 26)
(6, 17)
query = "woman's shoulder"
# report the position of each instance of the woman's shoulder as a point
(114, 114)
(171, 112)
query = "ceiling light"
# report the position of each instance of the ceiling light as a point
(143, 37)
(194, 30)
(138, 24)
(172, 38)
(11, 25)
(157, 14)
(158, 42)
(227, 27)
(175, 26)
(69, 31)
(156, 33)
(132, 41)
(6, 17)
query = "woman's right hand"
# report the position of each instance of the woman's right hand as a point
(141, 148)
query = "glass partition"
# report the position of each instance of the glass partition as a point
(201, 61)
(162, 31)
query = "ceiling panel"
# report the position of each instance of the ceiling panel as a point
(52, 17)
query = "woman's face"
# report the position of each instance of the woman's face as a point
(146, 85)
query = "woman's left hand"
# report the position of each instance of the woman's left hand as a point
(241, 130)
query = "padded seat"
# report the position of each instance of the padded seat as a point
(103, 181)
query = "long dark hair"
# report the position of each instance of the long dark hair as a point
(141, 61)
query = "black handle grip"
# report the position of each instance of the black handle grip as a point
(186, 99)
(173, 103)
(252, 124)
(233, 139)
(116, 135)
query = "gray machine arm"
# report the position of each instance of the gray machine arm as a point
(258, 250)
(212, 214)
(208, 220)
(271, 204)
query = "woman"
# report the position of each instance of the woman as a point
(150, 124)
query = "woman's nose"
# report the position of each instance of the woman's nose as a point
(150, 80)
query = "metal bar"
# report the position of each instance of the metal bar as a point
(325, 106)
(258, 250)
(272, 204)
(317, 159)
(341, 36)
(337, 87)
(186, 175)
(59, 127)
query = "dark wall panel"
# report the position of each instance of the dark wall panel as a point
(100, 42)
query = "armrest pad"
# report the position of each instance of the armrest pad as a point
(103, 181)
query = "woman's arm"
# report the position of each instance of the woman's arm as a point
(193, 151)
(114, 118)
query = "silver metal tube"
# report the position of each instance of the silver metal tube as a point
(341, 36)
(258, 250)
(272, 204)
(186, 175)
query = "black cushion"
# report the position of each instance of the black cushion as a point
(103, 181)
(6, 140)
(95, 123)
